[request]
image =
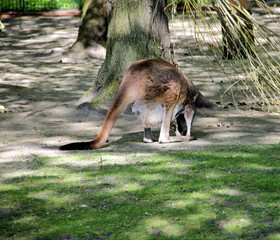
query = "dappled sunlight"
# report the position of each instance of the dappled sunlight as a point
(197, 219)
(214, 174)
(75, 162)
(54, 198)
(181, 203)
(173, 167)
(225, 135)
(99, 159)
(161, 227)
(39, 94)
(235, 225)
(122, 187)
(274, 236)
(52, 31)
(199, 195)
(149, 177)
(21, 173)
(75, 178)
(191, 219)
(8, 187)
(229, 192)
(127, 189)
(26, 220)
(151, 195)
(254, 166)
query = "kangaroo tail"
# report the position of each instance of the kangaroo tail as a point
(117, 107)
(76, 146)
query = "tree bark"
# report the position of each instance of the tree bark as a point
(92, 33)
(138, 29)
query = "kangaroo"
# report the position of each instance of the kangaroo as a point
(159, 92)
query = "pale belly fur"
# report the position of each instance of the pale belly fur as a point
(150, 114)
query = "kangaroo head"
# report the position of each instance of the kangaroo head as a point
(186, 112)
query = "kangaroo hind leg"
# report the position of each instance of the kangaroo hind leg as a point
(148, 136)
(170, 98)
(165, 126)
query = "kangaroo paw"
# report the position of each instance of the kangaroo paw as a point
(164, 140)
(188, 138)
(147, 140)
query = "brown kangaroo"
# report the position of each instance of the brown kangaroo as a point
(159, 92)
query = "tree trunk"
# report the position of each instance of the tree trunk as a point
(237, 30)
(138, 29)
(92, 34)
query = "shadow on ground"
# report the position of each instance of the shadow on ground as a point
(38, 95)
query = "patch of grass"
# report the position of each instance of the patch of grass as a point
(35, 5)
(220, 193)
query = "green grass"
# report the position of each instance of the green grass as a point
(220, 193)
(35, 5)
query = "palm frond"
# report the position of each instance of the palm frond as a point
(244, 46)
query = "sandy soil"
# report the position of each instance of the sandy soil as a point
(38, 95)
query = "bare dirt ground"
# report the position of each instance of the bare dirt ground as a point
(38, 95)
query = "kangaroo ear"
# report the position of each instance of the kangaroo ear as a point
(189, 110)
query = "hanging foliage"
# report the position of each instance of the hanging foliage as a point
(243, 46)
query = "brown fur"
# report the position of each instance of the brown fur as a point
(154, 81)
